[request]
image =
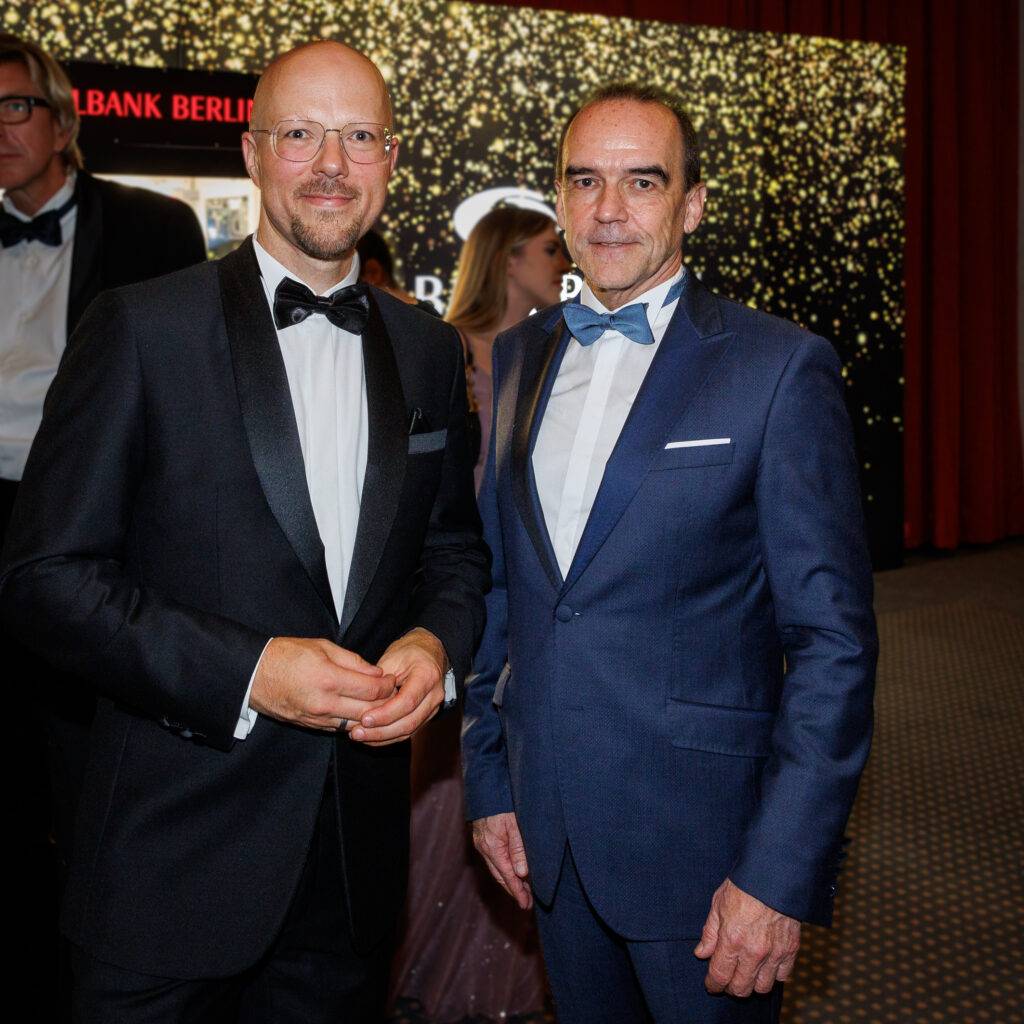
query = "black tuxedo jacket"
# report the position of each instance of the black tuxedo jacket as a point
(162, 534)
(124, 235)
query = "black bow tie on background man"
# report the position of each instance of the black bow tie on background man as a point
(45, 228)
(347, 308)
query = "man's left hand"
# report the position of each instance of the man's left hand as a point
(418, 662)
(749, 946)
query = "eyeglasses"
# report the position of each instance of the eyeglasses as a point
(18, 109)
(300, 141)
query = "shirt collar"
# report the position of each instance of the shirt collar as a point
(58, 199)
(274, 272)
(654, 297)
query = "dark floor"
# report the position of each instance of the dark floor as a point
(928, 923)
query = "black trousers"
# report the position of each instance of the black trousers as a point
(310, 974)
(48, 770)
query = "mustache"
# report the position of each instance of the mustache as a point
(327, 187)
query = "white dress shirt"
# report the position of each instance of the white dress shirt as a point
(324, 365)
(590, 399)
(327, 382)
(35, 280)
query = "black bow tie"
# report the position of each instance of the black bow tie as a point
(347, 308)
(45, 228)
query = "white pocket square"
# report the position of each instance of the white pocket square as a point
(698, 444)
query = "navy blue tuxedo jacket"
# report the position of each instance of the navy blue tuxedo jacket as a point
(694, 701)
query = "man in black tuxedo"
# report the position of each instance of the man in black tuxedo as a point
(268, 562)
(64, 237)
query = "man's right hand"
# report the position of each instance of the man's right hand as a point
(316, 683)
(499, 842)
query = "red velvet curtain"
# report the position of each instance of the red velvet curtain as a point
(963, 467)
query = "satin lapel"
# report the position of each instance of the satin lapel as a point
(688, 353)
(86, 251)
(385, 461)
(262, 385)
(540, 367)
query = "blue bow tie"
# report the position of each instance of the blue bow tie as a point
(587, 325)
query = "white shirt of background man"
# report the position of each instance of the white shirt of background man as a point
(35, 280)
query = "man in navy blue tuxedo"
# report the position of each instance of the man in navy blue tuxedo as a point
(673, 703)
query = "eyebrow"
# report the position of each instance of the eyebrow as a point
(654, 171)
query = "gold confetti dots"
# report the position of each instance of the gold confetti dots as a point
(802, 137)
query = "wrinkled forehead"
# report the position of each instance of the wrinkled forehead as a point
(333, 88)
(617, 134)
(16, 77)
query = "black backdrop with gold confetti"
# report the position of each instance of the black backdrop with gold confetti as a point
(802, 140)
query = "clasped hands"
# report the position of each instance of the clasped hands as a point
(748, 945)
(320, 685)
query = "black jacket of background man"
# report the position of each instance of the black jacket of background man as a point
(122, 235)
(163, 533)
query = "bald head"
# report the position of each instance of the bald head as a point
(307, 72)
(315, 205)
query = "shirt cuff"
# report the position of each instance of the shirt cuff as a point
(247, 717)
(451, 691)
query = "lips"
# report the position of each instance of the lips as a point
(328, 199)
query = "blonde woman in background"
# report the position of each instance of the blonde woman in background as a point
(467, 950)
(511, 264)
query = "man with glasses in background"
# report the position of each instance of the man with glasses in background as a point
(64, 237)
(269, 565)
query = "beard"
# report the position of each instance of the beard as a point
(322, 237)
(323, 240)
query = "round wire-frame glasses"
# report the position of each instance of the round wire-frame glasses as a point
(299, 141)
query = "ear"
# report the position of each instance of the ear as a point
(251, 156)
(61, 137)
(393, 156)
(694, 207)
(559, 205)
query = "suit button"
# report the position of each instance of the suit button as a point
(563, 613)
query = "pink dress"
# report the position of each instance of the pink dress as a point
(467, 949)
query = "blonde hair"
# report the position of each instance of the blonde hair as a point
(53, 83)
(480, 297)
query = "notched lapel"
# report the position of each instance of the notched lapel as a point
(690, 350)
(385, 461)
(539, 368)
(262, 385)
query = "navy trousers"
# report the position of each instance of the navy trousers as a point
(598, 977)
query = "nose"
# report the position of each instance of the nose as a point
(331, 160)
(609, 206)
